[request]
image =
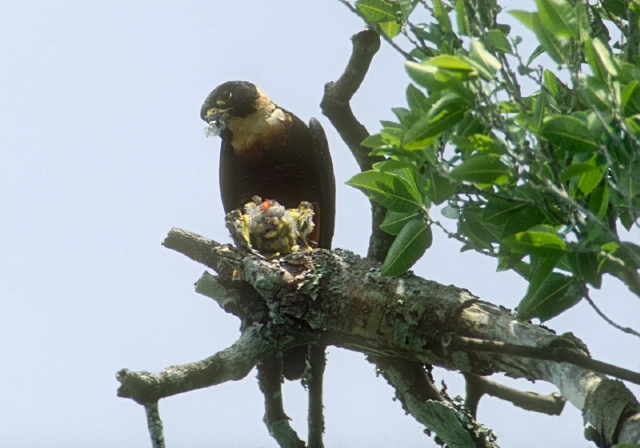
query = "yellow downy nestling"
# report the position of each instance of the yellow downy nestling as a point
(270, 229)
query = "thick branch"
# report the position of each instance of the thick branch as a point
(342, 300)
(335, 105)
(231, 364)
(337, 95)
(337, 298)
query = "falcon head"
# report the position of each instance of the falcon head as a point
(233, 99)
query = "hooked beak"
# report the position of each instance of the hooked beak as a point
(215, 118)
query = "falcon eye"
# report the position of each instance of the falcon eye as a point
(223, 97)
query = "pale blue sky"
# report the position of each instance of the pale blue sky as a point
(103, 151)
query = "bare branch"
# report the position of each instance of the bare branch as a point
(335, 105)
(230, 364)
(560, 353)
(270, 381)
(337, 298)
(478, 386)
(314, 382)
(337, 95)
(420, 398)
(155, 425)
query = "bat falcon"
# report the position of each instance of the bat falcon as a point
(269, 152)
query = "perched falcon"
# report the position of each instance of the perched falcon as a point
(269, 152)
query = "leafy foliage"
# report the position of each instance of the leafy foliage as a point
(540, 168)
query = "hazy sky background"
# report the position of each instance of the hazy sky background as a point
(103, 151)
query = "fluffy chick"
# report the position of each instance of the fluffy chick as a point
(270, 229)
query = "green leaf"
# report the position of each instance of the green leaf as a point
(373, 141)
(576, 169)
(440, 14)
(482, 169)
(480, 233)
(405, 170)
(558, 17)
(443, 115)
(538, 110)
(589, 175)
(616, 7)
(391, 191)
(599, 58)
(390, 28)
(599, 200)
(484, 62)
(541, 240)
(449, 212)
(630, 101)
(389, 16)
(462, 20)
(497, 210)
(417, 100)
(410, 244)
(555, 46)
(550, 297)
(569, 133)
(499, 41)
(584, 27)
(439, 188)
(451, 64)
(584, 266)
(522, 220)
(377, 10)
(394, 222)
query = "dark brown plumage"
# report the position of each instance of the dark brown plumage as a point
(269, 152)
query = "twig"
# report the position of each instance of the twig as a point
(627, 330)
(270, 382)
(452, 342)
(317, 362)
(155, 425)
(478, 386)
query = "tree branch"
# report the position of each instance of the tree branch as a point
(337, 298)
(478, 386)
(556, 353)
(270, 381)
(314, 382)
(230, 364)
(420, 398)
(335, 106)
(155, 425)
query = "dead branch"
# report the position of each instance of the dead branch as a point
(336, 106)
(337, 298)
(478, 386)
